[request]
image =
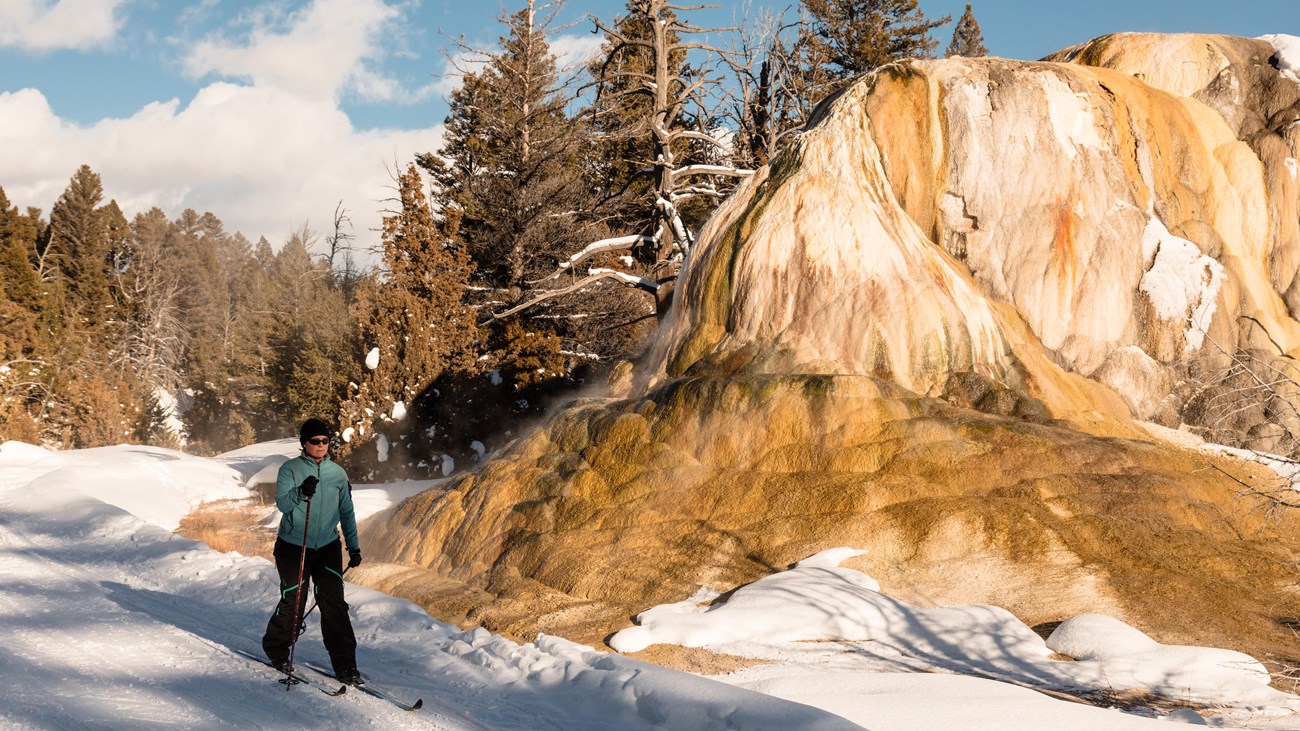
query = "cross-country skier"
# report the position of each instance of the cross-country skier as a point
(313, 493)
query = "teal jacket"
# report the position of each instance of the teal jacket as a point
(330, 506)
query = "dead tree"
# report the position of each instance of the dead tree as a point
(665, 105)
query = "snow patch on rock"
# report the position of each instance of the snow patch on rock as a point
(1288, 54)
(1181, 281)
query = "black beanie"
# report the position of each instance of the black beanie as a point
(313, 428)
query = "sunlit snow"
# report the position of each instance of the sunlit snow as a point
(1288, 54)
(113, 622)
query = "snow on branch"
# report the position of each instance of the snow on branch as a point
(689, 170)
(595, 275)
(674, 218)
(631, 280)
(620, 243)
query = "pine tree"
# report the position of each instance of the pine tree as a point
(150, 290)
(23, 342)
(967, 39)
(309, 344)
(510, 162)
(92, 391)
(20, 289)
(79, 248)
(415, 315)
(847, 38)
(656, 164)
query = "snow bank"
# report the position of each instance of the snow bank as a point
(159, 486)
(260, 463)
(370, 499)
(1130, 659)
(817, 600)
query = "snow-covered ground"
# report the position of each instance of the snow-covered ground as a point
(111, 621)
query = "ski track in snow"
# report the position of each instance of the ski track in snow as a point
(198, 683)
(111, 622)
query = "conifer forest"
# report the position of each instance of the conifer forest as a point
(523, 258)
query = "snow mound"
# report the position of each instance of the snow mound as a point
(260, 463)
(819, 601)
(1097, 636)
(159, 486)
(1132, 659)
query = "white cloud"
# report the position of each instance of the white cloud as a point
(42, 25)
(454, 69)
(571, 53)
(575, 50)
(320, 51)
(266, 155)
(264, 161)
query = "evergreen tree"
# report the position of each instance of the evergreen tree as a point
(20, 288)
(23, 341)
(415, 316)
(210, 262)
(847, 38)
(203, 300)
(967, 39)
(79, 248)
(656, 165)
(91, 391)
(510, 162)
(257, 363)
(308, 345)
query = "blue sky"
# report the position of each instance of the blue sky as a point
(270, 112)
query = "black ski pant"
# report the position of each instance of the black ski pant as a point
(324, 570)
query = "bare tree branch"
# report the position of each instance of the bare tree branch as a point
(596, 276)
(620, 243)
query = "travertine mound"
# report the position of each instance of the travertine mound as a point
(1133, 230)
(924, 331)
(617, 506)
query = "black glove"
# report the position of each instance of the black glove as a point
(354, 557)
(308, 486)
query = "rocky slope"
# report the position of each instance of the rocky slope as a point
(927, 330)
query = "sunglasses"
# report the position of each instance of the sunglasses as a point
(319, 441)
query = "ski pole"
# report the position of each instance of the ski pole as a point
(297, 598)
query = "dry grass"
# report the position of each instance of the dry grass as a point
(230, 526)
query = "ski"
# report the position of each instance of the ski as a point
(382, 695)
(294, 677)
